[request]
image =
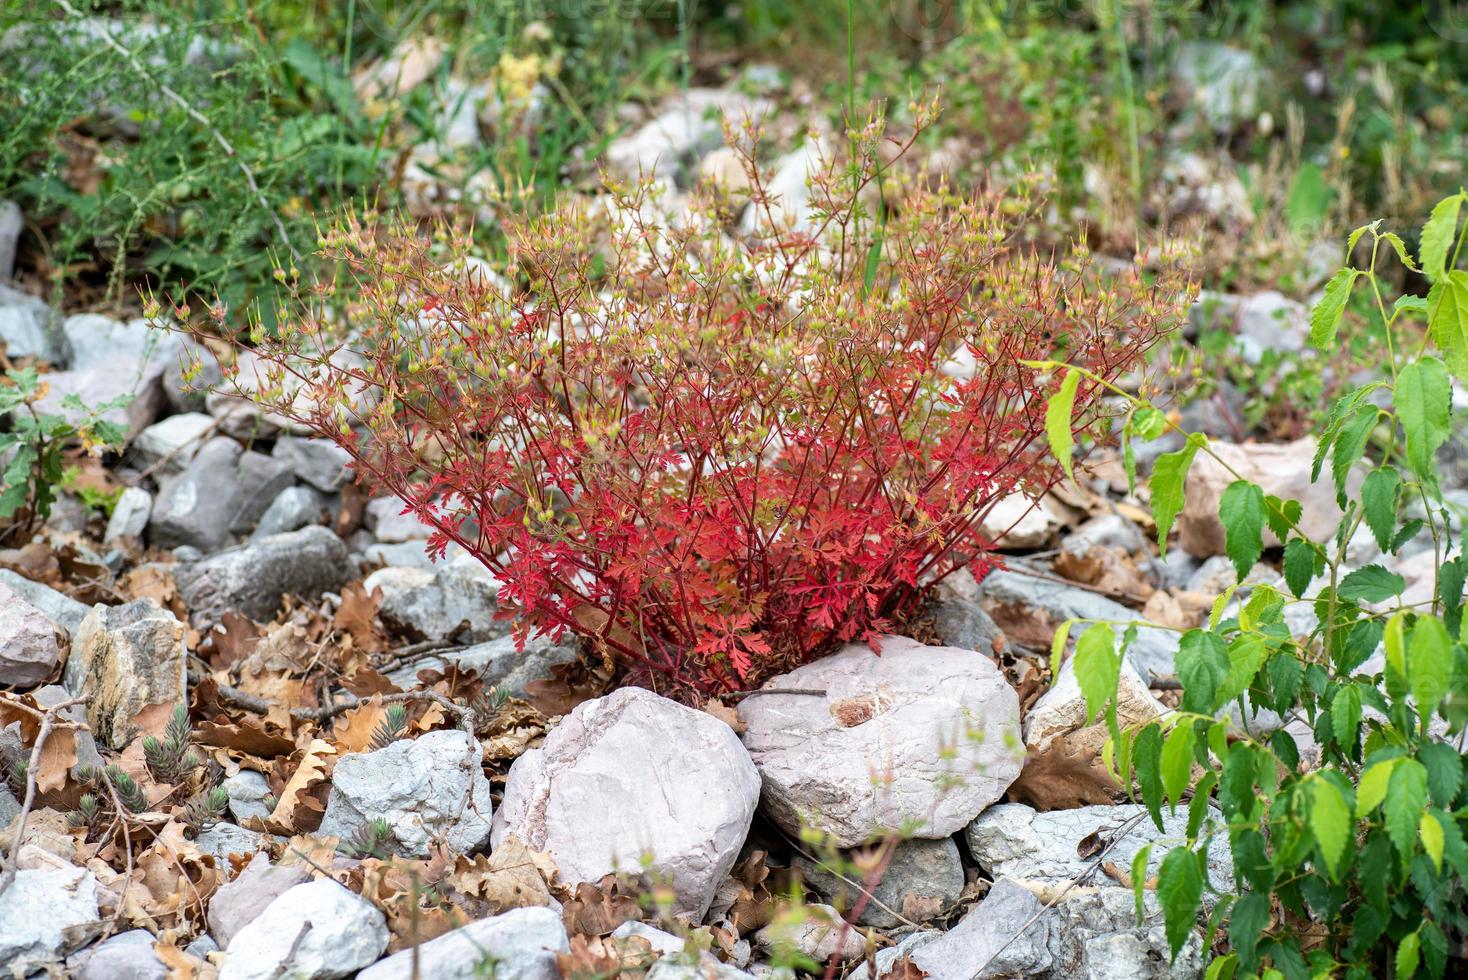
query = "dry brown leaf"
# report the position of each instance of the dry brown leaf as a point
(262, 740)
(726, 714)
(903, 969)
(180, 965)
(514, 876)
(599, 908)
(353, 729)
(516, 725)
(596, 958)
(58, 755)
(921, 908)
(1056, 779)
(314, 768)
(153, 581)
(357, 617)
(569, 685)
(232, 641)
(36, 561)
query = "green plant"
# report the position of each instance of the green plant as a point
(393, 726)
(1353, 863)
(170, 759)
(32, 450)
(373, 839)
(206, 809)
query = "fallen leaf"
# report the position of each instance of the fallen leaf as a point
(512, 877)
(357, 617)
(903, 969)
(353, 729)
(58, 755)
(1056, 779)
(599, 908)
(293, 810)
(596, 958)
(726, 714)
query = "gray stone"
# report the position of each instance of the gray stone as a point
(662, 942)
(980, 945)
(253, 579)
(44, 915)
(9, 805)
(384, 517)
(1014, 841)
(202, 946)
(97, 341)
(689, 126)
(1151, 653)
(122, 377)
(11, 225)
(29, 328)
(125, 956)
(497, 662)
(62, 610)
(171, 442)
(520, 944)
(412, 553)
(224, 839)
(789, 189)
(189, 375)
(313, 931)
(680, 966)
(1221, 83)
(814, 931)
(242, 416)
(1061, 711)
(920, 737)
(887, 958)
(319, 462)
(959, 617)
(1270, 321)
(87, 755)
(632, 781)
(455, 600)
(28, 650)
(260, 480)
(197, 506)
(1094, 935)
(920, 870)
(239, 902)
(429, 789)
(126, 658)
(129, 516)
(247, 791)
(292, 509)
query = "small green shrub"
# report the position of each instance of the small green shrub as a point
(1354, 864)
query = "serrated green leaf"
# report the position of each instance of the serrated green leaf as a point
(1406, 798)
(1139, 879)
(1379, 503)
(1281, 515)
(1169, 475)
(1371, 583)
(1429, 664)
(1058, 411)
(1433, 838)
(1409, 956)
(1097, 667)
(1437, 236)
(1057, 645)
(1202, 667)
(1355, 237)
(1452, 576)
(1444, 771)
(1241, 509)
(1410, 304)
(1330, 822)
(1325, 319)
(1251, 917)
(1246, 654)
(1400, 247)
(1447, 323)
(1299, 565)
(1371, 789)
(1180, 891)
(1147, 422)
(1423, 401)
(1350, 445)
(1225, 967)
(1345, 715)
(1177, 761)
(1147, 757)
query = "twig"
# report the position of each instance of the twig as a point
(48, 722)
(741, 695)
(198, 117)
(1117, 838)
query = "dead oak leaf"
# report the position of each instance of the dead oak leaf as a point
(1056, 779)
(598, 909)
(314, 768)
(353, 729)
(726, 714)
(513, 877)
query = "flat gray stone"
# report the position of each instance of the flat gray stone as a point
(224, 839)
(29, 328)
(129, 516)
(62, 610)
(520, 944)
(920, 871)
(497, 662)
(976, 947)
(319, 462)
(44, 915)
(253, 579)
(247, 791)
(292, 509)
(12, 222)
(125, 956)
(28, 650)
(171, 442)
(197, 506)
(239, 902)
(261, 479)
(313, 931)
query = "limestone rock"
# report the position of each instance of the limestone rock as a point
(428, 788)
(983, 943)
(126, 657)
(1061, 711)
(313, 931)
(452, 600)
(634, 776)
(125, 956)
(44, 915)
(62, 610)
(521, 944)
(320, 462)
(129, 516)
(815, 931)
(28, 650)
(890, 715)
(497, 662)
(923, 879)
(171, 444)
(29, 328)
(253, 579)
(239, 902)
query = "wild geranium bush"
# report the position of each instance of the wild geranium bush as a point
(714, 457)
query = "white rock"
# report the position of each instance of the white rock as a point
(384, 517)
(125, 956)
(239, 902)
(427, 788)
(1014, 841)
(1017, 521)
(1280, 469)
(175, 439)
(869, 755)
(1223, 83)
(12, 223)
(995, 939)
(224, 839)
(1061, 711)
(632, 781)
(96, 341)
(517, 945)
(313, 931)
(690, 125)
(1269, 320)
(1094, 935)
(44, 915)
(815, 931)
(28, 650)
(29, 328)
(789, 189)
(456, 599)
(130, 515)
(663, 943)
(247, 791)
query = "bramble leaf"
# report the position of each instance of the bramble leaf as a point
(1448, 321)
(1429, 664)
(1423, 400)
(1058, 412)
(1379, 503)
(1097, 667)
(1241, 509)
(1202, 667)
(1299, 565)
(1169, 474)
(1180, 890)
(1437, 236)
(1330, 822)
(1325, 319)
(1406, 798)
(1371, 583)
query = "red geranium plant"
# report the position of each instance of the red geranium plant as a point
(714, 456)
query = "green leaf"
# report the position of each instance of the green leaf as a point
(1429, 664)
(1433, 838)
(1406, 799)
(1371, 583)
(1299, 565)
(1241, 509)
(1177, 761)
(1400, 247)
(1379, 503)
(1330, 822)
(1180, 890)
(1444, 770)
(1169, 474)
(1147, 755)
(1251, 916)
(1325, 319)
(1097, 667)
(1438, 235)
(1139, 879)
(1202, 667)
(1448, 321)
(1452, 576)
(1281, 515)
(1147, 422)
(1222, 968)
(1246, 654)
(1371, 790)
(1057, 645)
(1057, 420)
(1350, 444)
(1309, 198)
(1409, 955)
(1345, 715)
(1410, 304)
(1423, 401)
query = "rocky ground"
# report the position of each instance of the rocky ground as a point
(365, 775)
